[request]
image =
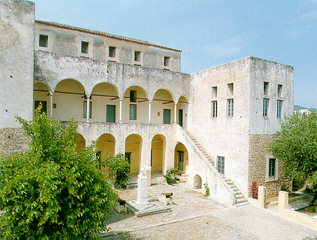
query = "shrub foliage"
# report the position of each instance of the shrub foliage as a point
(296, 146)
(119, 169)
(53, 191)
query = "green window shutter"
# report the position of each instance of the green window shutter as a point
(166, 116)
(85, 109)
(133, 111)
(111, 113)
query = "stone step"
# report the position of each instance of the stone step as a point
(241, 204)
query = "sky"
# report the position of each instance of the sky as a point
(209, 32)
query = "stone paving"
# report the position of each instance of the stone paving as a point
(194, 216)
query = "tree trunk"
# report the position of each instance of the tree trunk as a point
(314, 200)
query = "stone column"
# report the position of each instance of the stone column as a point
(175, 112)
(120, 111)
(147, 171)
(87, 108)
(51, 105)
(150, 111)
(282, 201)
(262, 196)
(142, 189)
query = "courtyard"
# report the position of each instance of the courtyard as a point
(195, 216)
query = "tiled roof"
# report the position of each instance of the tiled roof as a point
(105, 34)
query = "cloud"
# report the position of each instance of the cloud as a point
(226, 48)
(312, 15)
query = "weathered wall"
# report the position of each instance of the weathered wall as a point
(51, 69)
(259, 152)
(275, 73)
(16, 61)
(67, 41)
(222, 135)
(13, 140)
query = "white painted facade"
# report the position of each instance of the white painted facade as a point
(71, 78)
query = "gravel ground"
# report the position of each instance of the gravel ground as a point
(194, 216)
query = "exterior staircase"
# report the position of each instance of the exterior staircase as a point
(201, 149)
(240, 200)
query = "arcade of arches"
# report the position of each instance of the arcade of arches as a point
(106, 145)
(69, 100)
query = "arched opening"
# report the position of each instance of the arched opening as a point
(135, 105)
(133, 149)
(105, 103)
(105, 146)
(157, 153)
(197, 183)
(182, 110)
(181, 157)
(70, 101)
(41, 96)
(162, 108)
(80, 142)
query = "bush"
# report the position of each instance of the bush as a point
(53, 191)
(119, 168)
(207, 190)
(171, 177)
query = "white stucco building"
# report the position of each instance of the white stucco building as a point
(131, 97)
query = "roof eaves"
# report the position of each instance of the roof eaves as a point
(59, 25)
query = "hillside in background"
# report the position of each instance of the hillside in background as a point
(298, 107)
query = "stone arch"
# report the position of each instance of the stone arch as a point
(41, 94)
(133, 151)
(105, 102)
(182, 111)
(162, 107)
(69, 100)
(80, 142)
(197, 182)
(158, 146)
(105, 146)
(181, 157)
(135, 105)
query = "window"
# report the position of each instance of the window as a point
(112, 52)
(133, 96)
(166, 61)
(271, 169)
(214, 106)
(230, 107)
(221, 164)
(214, 92)
(85, 109)
(43, 40)
(44, 105)
(265, 106)
(279, 108)
(132, 111)
(266, 88)
(84, 47)
(230, 89)
(137, 56)
(166, 116)
(279, 90)
(111, 113)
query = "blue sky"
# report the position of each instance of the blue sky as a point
(209, 32)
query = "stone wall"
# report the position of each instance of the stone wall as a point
(13, 140)
(258, 154)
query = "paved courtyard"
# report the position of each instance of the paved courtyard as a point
(194, 216)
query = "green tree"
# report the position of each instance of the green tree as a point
(296, 146)
(119, 169)
(53, 191)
